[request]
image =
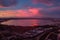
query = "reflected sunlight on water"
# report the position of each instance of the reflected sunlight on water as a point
(27, 22)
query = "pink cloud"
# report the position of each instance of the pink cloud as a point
(1, 6)
(28, 13)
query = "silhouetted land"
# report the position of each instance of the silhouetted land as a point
(11, 32)
(28, 18)
(44, 32)
(51, 19)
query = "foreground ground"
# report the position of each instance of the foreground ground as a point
(45, 32)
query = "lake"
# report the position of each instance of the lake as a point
(29, 22)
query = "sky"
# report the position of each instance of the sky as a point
(30, 8)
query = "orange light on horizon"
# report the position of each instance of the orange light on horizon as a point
(31, 12)
(7, 13)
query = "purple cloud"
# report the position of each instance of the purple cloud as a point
(47, 2)
(51, 12)
(6, 3)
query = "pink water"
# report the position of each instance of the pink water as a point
(27, 22)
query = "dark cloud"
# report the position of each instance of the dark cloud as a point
(52, 12)
(6, 3)
(51, 2)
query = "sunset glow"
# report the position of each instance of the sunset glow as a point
(27, 13)
(29, 19)
(30, 8)
(7, 14)
(31, 12)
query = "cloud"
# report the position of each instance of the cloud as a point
(30, 12)
(54, 8)
(7, 13)
(7, 3)
(47, 2)
(52, 12)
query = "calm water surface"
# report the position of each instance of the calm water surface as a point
(27, 22)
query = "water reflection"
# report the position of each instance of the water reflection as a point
(27, 22)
